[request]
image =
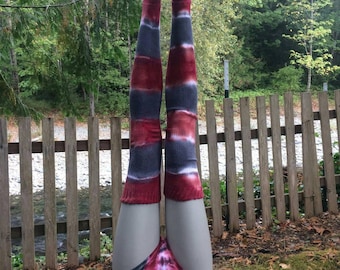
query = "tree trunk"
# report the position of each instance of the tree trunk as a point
(129, 40)
(309, 79)
(88, 40)
(106, 16)
(336, 6)
(309, 76)
(92, 106)
(13, 56)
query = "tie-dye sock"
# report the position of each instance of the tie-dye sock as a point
(182, 180)
(143, 181)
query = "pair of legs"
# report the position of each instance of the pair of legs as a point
(138, 230)
(137, 235)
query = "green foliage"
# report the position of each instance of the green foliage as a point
(252, 94)
(113, 103)
(67, 52)
(66, 55)
(336, 160)
(105, 248)
(241, 190)
(247, 71)
(17, 261)
(308, 258)
(287, 79)
(207, 193)
(312, 32)
(214, 42)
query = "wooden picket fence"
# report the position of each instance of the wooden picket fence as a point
(231, 209)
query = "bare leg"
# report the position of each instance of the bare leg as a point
(137, 235)
(186, 222)
(188, 235)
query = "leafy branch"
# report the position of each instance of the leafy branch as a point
(40, 6)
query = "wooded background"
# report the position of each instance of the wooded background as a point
(66, 54)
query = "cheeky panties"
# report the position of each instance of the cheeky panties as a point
(160, 259)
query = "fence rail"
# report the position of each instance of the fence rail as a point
(310, 200)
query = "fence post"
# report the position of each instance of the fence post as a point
(116, 169)
(312, 194)
(94, 191)
(291, 157)
(337, 109)
(27, 224)
(327, 153)
(48, 148)
(213, 169)
(5, 223)
(277, 157)
(71, 191)
(263, 161)
(231, 180)
(198, 151)
(247, 163)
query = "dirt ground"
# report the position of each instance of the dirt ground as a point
(280, 240)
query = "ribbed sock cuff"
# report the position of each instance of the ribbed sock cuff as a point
(142, 191)
(183, 187)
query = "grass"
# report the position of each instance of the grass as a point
(310, 258)
(84, 252)
(313, 258)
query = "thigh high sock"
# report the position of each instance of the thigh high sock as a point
(182, 181)
(142, 184)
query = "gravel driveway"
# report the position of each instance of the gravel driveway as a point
(105, 163)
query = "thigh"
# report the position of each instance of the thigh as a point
(137, 235)
(188, 234)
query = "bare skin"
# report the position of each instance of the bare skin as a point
(137, 233)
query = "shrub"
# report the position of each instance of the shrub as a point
(287, 79)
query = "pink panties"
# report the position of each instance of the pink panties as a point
(160, 259)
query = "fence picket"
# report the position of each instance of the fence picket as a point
(263, 160)
(247, 163)
(313, 205)
(116, 169)
(94, 191)
(291, 157)
(312, 194)
(198, 151)
(337, 110)
(27, 224)
(277, 158)
(5, 224)
(71, 191)
(231, 180)
(327, 153)
(213, 169)
(49, 193)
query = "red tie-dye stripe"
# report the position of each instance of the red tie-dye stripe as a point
(181, 66)
(147, 74)
(181, 124)
(183, 187)
(180, 6)
(151, 10)
(145, 131)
